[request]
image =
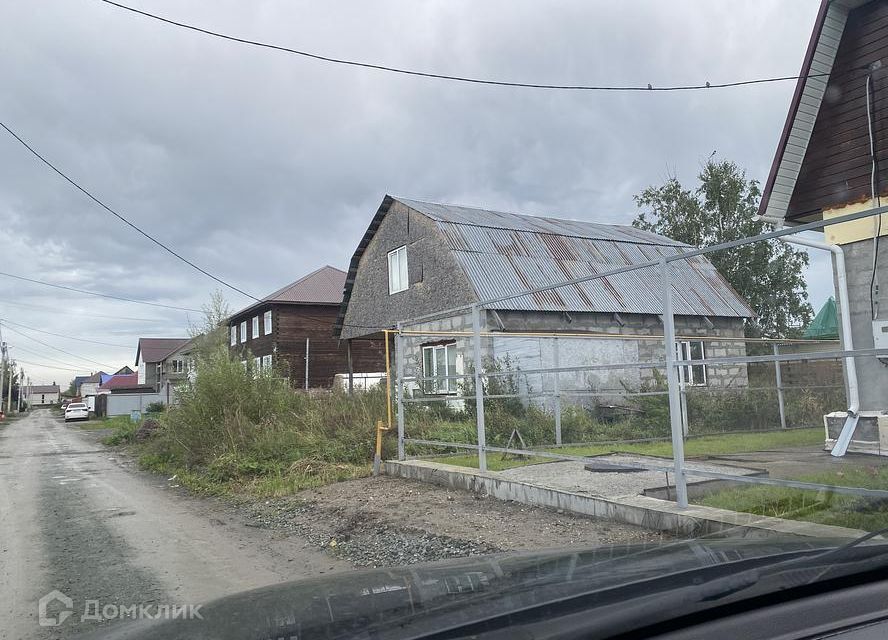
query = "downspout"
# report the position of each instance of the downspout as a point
(845, 312)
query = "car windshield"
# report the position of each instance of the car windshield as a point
(457, 311)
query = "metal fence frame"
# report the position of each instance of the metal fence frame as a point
(672, 364)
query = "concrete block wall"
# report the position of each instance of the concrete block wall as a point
(534, 352)
(871, 373)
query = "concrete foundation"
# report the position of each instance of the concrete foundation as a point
(870, 436)
(639, 510)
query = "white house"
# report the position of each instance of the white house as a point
(41, 395)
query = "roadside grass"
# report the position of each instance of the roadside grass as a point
(813, 506)
(694, 447)
(99, 424)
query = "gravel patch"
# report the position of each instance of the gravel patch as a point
(384, 521)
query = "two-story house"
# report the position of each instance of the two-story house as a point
(290, 332)
(162, 363)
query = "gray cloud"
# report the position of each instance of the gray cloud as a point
(262, 166)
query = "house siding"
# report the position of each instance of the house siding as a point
(291, 325)
(836, 166)
(436, 281)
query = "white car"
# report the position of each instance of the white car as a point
(76, 411)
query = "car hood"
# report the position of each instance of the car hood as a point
(415, 600)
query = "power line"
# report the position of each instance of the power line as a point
(57, 311)
(46, 344)
(47, 366)
(120, 217)
(40, 355)
(453, 78)
(95, 293)
(60, 335)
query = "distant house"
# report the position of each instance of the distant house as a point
(162, 363)
(41, 395)
(120, 394)
(291, 332)
(124, 370)
(89, 387)
(419, 258)
(78, 381)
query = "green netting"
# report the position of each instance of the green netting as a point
(825, 325)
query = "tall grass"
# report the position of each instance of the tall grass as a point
(234, 425)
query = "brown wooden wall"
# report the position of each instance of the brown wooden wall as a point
(291, 325)
(837, 165)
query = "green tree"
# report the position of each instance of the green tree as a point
(720, 209)
(210, 338)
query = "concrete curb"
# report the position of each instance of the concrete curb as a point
(652, 513)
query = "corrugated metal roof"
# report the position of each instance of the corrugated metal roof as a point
(322, 286)
(505, 253)
(468, 216)
(157, 349)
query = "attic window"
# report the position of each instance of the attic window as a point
(397, 270)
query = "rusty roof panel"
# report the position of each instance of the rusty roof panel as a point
(505, 254)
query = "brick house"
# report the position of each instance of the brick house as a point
(291, 331)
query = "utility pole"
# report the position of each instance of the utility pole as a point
(9, 391)
(21, 387)
(2, 365)
(2, 371)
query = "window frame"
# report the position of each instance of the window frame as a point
(266, 362)
(243, 331)
(683, 351)
(403, 276)
(434, 387)
(255, 327)
(266, 323)
(233, 338)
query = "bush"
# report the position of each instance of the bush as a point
(234, 425)
(155, 407)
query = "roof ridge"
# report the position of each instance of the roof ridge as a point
(274, 293)
(664, 241)
(509, 213)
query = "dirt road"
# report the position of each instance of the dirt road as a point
(76, 519)
(79, 518)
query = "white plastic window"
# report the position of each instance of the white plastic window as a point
(266, 317)
(255, 333)
(694, 374)
(397, 270)
(243, 331)
(439, 361)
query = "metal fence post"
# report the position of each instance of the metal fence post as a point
(479, 389)
(399, 393)
(675, 420)
(556, 389)
(780, 400)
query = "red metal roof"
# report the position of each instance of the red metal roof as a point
(126, 380)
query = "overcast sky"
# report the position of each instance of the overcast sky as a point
(262, 166)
